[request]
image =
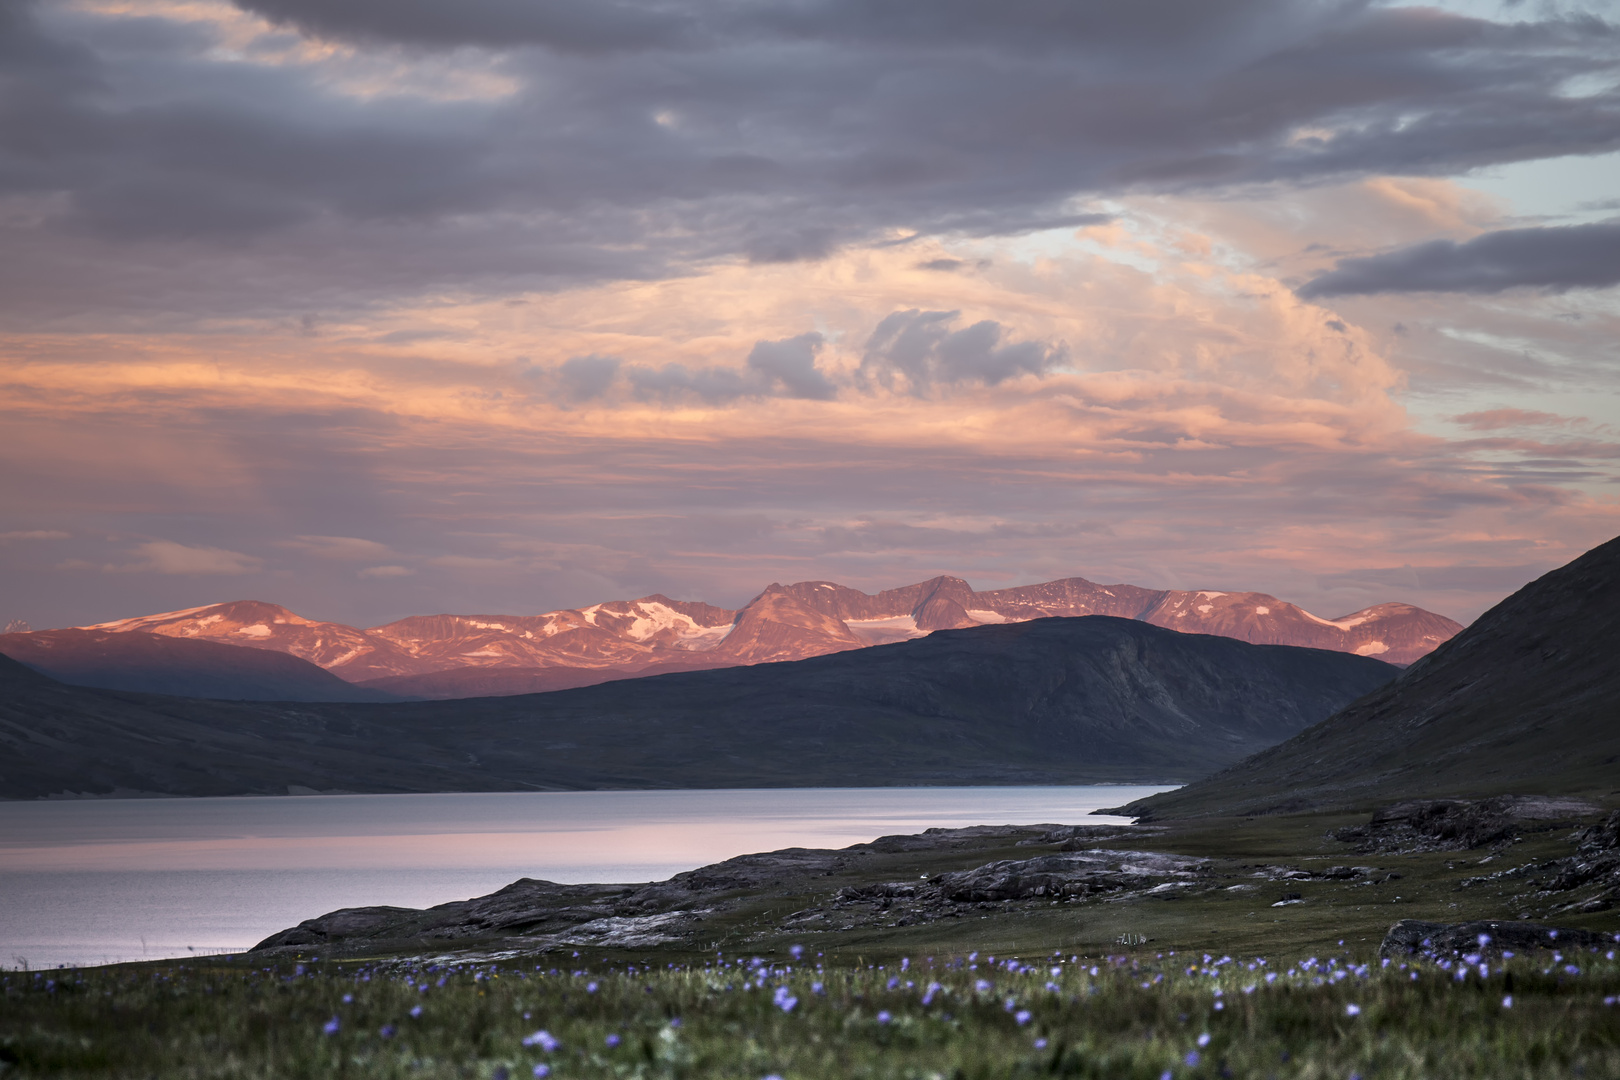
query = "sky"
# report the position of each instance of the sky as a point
(380, 308)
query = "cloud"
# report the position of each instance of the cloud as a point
(586, 377)
(675, 434)
(592, 27)
(387, 572)
(789, 366)
(1495, 419)
(168, 557)
(1557, 258)
(338, 547)
(1502, 579)
(35, 534)
(918, 351)
(784, 368)
(640, 141)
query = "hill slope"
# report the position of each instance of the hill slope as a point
(1050, 701)
(158, 664)
(1524, 701)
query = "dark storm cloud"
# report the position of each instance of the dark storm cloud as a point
(919, 350)
(791, 365)
(639, 140)
(785, 369)
(584, 26)
(587, 377)
(1564, 257)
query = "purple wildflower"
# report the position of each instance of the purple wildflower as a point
(612, 1040)
(332, 1026)
(543, 1039)
(1352, 1009)
(542, 1069)
(1193, 1058)
(1203, 1040)
(1022, 1016)
(884, 1017)
(416, 1010)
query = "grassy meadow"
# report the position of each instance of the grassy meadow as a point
(1139, 1013)
(1213, 982)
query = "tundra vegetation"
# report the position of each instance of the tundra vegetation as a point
(1267, 956)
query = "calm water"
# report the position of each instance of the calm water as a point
(101, 881)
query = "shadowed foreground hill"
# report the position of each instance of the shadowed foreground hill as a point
(1524, 701)
(1050, 701)
(186, 667)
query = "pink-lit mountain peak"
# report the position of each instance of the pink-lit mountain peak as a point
(344, 650)
(619, 638)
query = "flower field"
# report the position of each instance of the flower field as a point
(1137, 1014)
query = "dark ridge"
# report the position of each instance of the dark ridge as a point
(182, 667)
(1053, 701)
(1525, 701)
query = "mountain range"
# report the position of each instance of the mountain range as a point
(455, 656)
(1049, 701)
(1526, 701)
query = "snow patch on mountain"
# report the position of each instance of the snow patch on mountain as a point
(885, 631)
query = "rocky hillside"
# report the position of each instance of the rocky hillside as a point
(1525, 701)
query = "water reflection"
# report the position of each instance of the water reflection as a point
(94, 881)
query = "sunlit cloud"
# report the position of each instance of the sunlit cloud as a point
(168, 557)
(396, 308)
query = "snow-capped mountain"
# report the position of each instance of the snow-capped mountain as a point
(449, 655)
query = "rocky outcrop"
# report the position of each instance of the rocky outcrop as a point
(531, 914)
(1412, 937)
(1587, 881)
(1076, 874)
(1460, 824)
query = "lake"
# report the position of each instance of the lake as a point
(100, 881)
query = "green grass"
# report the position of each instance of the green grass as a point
(1139, 1016)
